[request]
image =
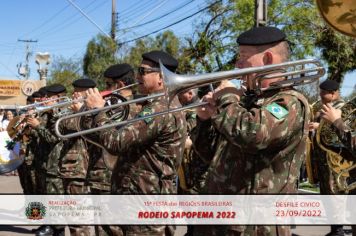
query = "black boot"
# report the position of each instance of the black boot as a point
(336, 230)
(46, 230)
(59, 232)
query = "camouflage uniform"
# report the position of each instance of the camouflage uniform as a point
(329, 143)
(346, 131)
(260, 148)
(26, 170)
(193, 167)
(102, 167)
(325, 175)
(46, 149)
(150, 153)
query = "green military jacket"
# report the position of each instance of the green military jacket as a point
(150, 150)
(260, 145)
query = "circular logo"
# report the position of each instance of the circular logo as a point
(28, 87)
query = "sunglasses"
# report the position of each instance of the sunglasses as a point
(109, 84)
(144, 70)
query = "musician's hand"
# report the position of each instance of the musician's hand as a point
(76, 105)
(188, 143)
(33, 122)
(94, 99)
(329, 113)
(207, 111)
(313, 126)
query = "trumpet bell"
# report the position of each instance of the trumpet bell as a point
(340, 15)
(14, 127)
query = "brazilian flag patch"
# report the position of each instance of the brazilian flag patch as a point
(277, 111)
(145, 112)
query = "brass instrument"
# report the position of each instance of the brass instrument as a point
(340, 160)
(298, 73)
(339, 14)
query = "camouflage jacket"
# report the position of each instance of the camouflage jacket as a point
(102, 165)
(74, 154)
(261, 143)
(150, 150)
(32, 147)
(346, 135)
(48, 144)
(345, 127)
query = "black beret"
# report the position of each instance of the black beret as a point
(167, 60)
(55, 89)
(37, 94)
(30, 98)
(84, 83)
(261, 36)
(329, 85)
(43, 92)
(118, 70)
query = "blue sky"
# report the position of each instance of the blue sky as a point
(62, 30)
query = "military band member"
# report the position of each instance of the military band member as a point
(345, 132)
(100, 173)
(48, 155)
(262, 138)
(347, 135)
(150, 150)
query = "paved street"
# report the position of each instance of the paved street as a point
(11, 184)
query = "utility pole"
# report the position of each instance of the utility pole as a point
(25, 71)
(113, 20)
(260, 13)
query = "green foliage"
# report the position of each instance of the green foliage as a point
(64, 71)
(166, 41)
(100, 54)
(339, 52)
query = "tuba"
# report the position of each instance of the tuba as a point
(339, 14)
(339, 159)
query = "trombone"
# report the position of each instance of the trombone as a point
(175, 84)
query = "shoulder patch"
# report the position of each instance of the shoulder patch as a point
(146, 111)
(277, 111)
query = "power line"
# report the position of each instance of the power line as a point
(68, 21)
(177, 22)
(86, 16)
(159, 17)
(150, 12)
(47, 21)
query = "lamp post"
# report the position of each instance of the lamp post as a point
(42, 60)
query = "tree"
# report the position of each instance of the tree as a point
(215, 46)
(338, 51)
(166, 41)
(64, 71)
(100, 54)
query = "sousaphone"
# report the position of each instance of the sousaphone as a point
(339, 14)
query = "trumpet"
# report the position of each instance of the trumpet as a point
(175, 84)
(37, 105)
(111, 97)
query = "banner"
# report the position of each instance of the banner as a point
(10, 87)
(178, 209)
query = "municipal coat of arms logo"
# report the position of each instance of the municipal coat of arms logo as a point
(35, 211)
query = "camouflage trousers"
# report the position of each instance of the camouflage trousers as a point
(27, 178)
(105, 230)
(40, 180)
(54, 185)
(240, 230)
